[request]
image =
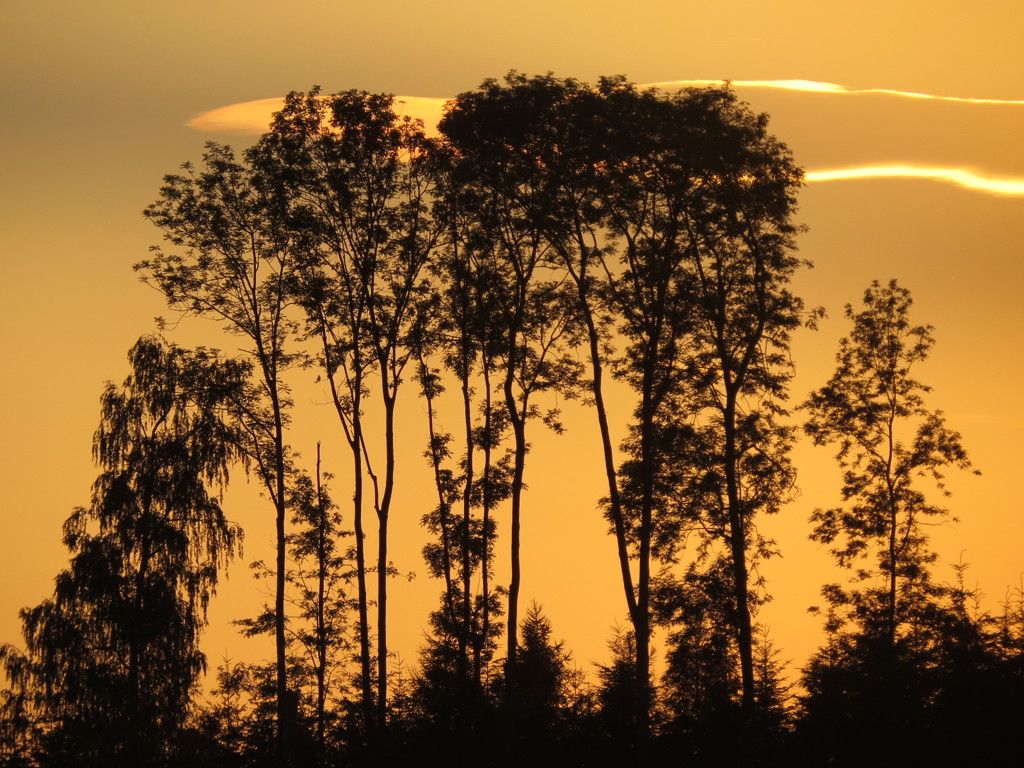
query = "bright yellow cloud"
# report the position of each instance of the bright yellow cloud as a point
(253, 117)
(820, 87)
(957, 176)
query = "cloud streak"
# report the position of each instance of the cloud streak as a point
(815, 86)
(247, 117)
(956, 176)
(253, 117)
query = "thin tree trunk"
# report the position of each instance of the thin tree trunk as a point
(321, 629)
(643, 615)
(467, 506)
(519, 432)
(893, 513)
(135, 732)
(485, 558)
(435, 462)
(284, 709)
(354, 438)
(738, 548)
(580, 277)
(382, 550)
(891, 608)
(364, 621)
(608, 452)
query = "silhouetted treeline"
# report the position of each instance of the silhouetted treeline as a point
(551, 235)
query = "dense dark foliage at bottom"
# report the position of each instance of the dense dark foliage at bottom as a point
(952, 694)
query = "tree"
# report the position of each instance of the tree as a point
(669, 217)
(623, 715)
(700, 684)
(541, 695)
(874, 411)
(945, 694)
(461, 326)
(354, 184)
(321, 578)
(698, 206)
(318, 576)
(464, 631)
(236, 267)
(741, 261)
(112, 659)
(502, 185)
(895, 637)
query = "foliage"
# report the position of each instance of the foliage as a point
(899, 645)
(233, 261)
(113, 657)
(948, 692)
(874, 411)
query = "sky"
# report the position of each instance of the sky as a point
(101, 99)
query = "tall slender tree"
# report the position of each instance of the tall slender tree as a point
(741, 260)
(698, 205)
(502, 184)
(232, 261)
(354, 183)
(873, 409)
(319, 576)
(460, 331)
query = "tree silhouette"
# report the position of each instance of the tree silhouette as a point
(354, 182)
(503, 188)
(464, 630)
(552, 230)
(235, 266)
(895, 637)
(319, 576)
(112, 659)
(539, 702)
(874, 411)
(699, 205)
(457, 330)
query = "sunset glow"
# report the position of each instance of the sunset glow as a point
(253, 117)
(247, 117)
(902, 123)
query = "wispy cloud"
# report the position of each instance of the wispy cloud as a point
(253, 117)
(816, 86)
(956, 176)
(247, 117)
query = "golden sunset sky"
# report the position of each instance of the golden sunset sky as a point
(101, 99)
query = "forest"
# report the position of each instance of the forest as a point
(553, 238)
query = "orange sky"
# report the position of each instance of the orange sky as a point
(96, 106)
